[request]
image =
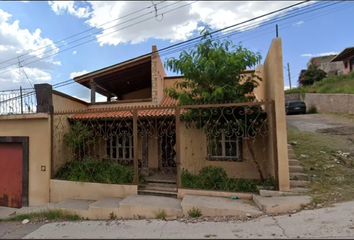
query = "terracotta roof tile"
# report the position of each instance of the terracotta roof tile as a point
(120, 112)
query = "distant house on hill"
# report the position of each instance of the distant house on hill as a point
(325, 63)
(346, 58)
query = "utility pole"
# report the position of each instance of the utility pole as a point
(276, 30)
(289, 75)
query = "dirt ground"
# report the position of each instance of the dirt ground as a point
(325, 124)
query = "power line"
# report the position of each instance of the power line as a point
(91, 35)
(93, 39)
(77, 34)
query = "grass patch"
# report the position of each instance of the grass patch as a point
(215, 178)
(160, 214)
(92, 170)
(333, 179)
(194, 213)
(44, 215)
(298, 90)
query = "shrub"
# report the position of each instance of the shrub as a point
(194, 213)
(312, 110)
(215, 178)
(93, 170)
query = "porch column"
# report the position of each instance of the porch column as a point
(109, 95)
(93, 91)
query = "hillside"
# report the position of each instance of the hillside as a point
(334, 84)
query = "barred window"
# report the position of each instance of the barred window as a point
(121, 147)
(224, 147)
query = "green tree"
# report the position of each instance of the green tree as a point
(212, 73)
(311, 75)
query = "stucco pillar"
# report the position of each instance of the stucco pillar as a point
(44, 96)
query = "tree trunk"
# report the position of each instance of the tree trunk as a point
(259, 169)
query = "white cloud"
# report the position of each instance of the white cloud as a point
(15, 40)
(74, 52)
(318, 54)
(286, 87)
(76, 74)
(60, 7)
(297, 24)
(177, 25)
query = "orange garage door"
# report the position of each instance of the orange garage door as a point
(11, 175)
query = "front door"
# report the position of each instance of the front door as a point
(11, 175)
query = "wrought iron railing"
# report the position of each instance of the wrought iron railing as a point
(18, 101)
(213, 146)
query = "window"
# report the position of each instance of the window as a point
(121, 147)
(225, 148)
(345, 64)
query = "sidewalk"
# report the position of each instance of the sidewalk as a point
(336, 222)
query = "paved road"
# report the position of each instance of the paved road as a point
(336, 222)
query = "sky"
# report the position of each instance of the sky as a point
(54, 41)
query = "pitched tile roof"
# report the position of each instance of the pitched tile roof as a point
(125, 112)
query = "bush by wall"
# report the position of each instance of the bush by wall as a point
(93, 170)
(215, 178)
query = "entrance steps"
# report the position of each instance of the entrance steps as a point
(298, 179)
(159, 187)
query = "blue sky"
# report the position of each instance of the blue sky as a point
(27, 26)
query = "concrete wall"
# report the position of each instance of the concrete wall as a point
(63, 102)
(193, 145)
(330, 103)
(61, 190)
(292, 97)
(37, 128)
(272, 88)
(324, 63)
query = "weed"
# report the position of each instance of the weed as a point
(50, 215)
(112, 216)
(160, 214)
(194, 213)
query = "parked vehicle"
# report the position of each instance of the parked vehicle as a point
(295, 107)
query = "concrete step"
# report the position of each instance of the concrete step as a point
(159, 187)
(291, 155)
(295, 183)
(294, 162)
(163, 193)
(218, 206)
(74, 206)
(281, 204)
(161, 181)
(290, 151)
(105, 208)
(300, 176)
(296, 169)
(148, 206)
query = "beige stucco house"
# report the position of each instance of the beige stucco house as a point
(139, 125)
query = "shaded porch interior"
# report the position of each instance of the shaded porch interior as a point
(129, 80)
